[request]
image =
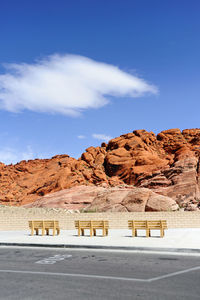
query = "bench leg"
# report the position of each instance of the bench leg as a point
(91, 231)
(58, 231)
(147, 233)
(134, 232)
(82, 231)
(162, 233)
(47, 231)
(54, 231)
(43, 231)
(37, 231)
(94, 232)
(106, 231)
(32, 231)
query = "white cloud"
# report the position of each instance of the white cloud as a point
(101, 137)
(81, 137)
(66, 84)
(9, 155)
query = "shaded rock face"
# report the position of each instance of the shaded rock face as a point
(167, 164)
(101, 199)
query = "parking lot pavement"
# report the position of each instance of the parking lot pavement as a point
(34, 273)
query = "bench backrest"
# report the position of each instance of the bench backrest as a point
(143, 224)
(137, 224)
(44, 223)
(157, 224)
(87, 224)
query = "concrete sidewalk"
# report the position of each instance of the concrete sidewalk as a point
(182, 240)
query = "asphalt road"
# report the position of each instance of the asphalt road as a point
(75, 274)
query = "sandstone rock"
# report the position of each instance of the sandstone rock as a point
(74, 198)
(160, 203)
(168, 164)
(135, 199)
(92, 198)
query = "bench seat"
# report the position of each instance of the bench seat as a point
(92, 225)
(147, 225)
(44, 225)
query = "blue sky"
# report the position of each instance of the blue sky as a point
(135, 64)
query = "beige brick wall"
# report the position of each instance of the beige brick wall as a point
(16, 218)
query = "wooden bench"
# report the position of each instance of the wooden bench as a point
(92, 226)
(147, 225)
(45, 225)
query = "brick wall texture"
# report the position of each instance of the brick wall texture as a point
(16, 218)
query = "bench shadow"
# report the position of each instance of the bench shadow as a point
(142, 236)
(29, 234)
(87, 235)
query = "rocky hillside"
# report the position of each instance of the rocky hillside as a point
(123, 198)
(168, 164)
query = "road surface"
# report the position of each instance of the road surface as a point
(27, 273)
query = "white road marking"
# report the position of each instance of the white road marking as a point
(74, 275)
(102, 277)
(174, 274)
(53, 259)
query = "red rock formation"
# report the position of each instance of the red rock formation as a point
(167, 163)
(75, 198)
(135, 199)
(100, 199)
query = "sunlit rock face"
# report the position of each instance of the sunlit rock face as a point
(93, 198)
(166, 164)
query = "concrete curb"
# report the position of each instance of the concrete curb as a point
(96, 247)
